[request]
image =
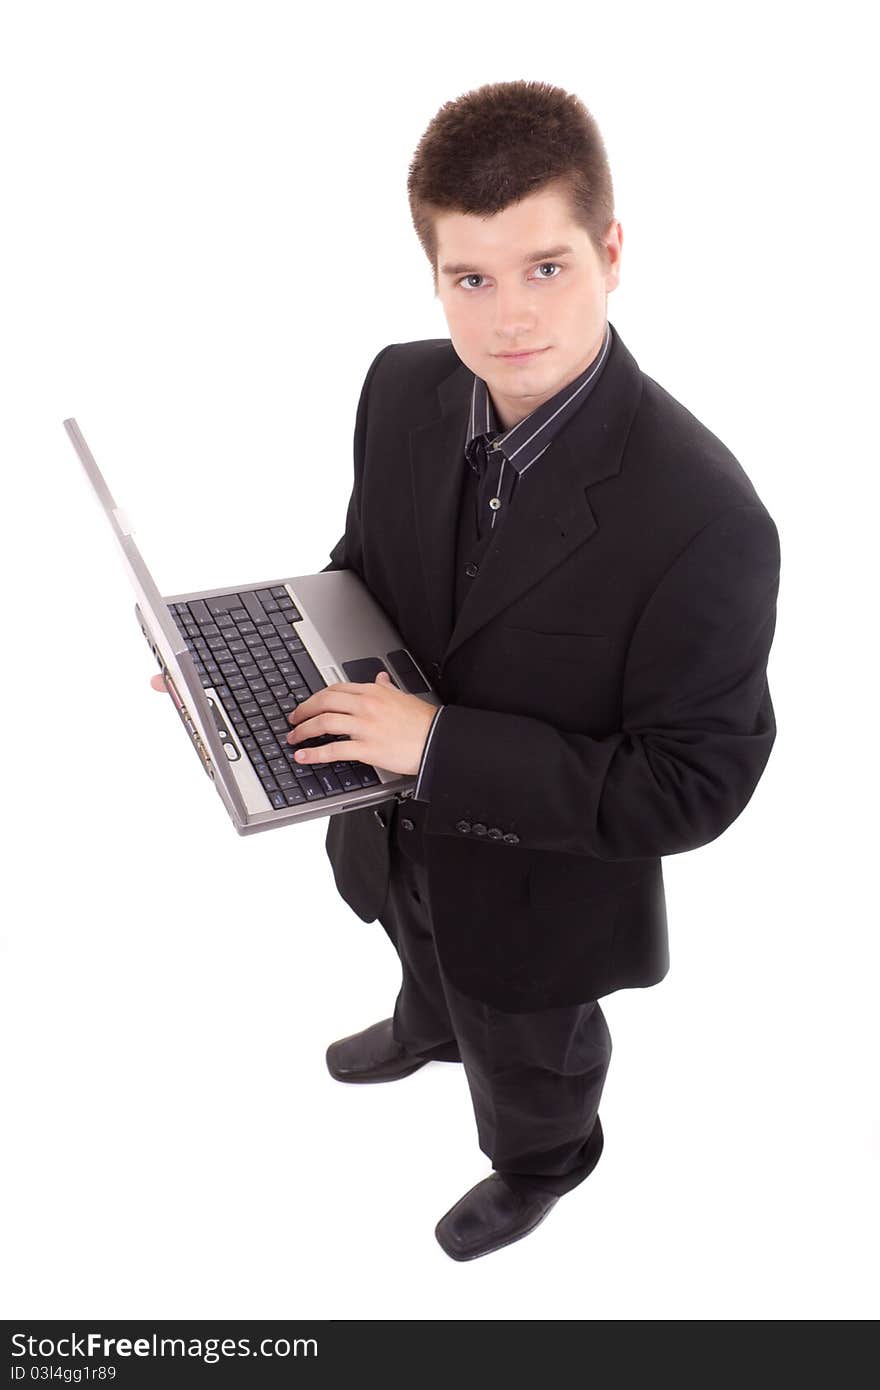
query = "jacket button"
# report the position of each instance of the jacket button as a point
(380, 818)
(435, 668)
(494, 832)
(479, 828)
(406, 823)
(463, 825)
(511, 839)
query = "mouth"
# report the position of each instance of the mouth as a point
(526, 356)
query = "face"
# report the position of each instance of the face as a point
(526, 278)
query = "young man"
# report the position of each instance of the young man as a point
(590, 579)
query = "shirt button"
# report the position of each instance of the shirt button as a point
(495, 833)
(463, 825)
(435, 668)
(470, 568)
(494, 503)
(511, 839)
(406, 823)
(478, 828)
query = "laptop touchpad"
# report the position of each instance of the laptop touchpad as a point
(365, 668)
(405, 672)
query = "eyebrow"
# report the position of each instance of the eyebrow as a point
(461, 266)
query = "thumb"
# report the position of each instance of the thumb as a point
(383, 676)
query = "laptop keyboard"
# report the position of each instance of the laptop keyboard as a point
(243, 646)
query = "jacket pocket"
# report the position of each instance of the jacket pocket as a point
(570, 646)
(559, 879)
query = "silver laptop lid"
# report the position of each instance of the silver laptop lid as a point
(171, 643)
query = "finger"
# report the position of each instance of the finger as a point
(336, 698)
(348, 749)
(158, 683)
(331, 722)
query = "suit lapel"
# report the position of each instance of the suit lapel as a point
(550, 515)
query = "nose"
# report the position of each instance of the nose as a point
(514, 317)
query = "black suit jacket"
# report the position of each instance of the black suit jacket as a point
(606, 678)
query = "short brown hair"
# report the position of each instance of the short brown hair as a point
(502, 142)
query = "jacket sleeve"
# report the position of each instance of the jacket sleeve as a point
(422, 789)
(697, 721)
(347, 553)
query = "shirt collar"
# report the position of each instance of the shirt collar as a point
(526, 441)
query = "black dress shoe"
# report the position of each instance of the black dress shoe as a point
(491, 1215)
(372, 1055)
(497, 1212)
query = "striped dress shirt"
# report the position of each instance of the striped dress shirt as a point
(498, 458)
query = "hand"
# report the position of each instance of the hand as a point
(385, 726)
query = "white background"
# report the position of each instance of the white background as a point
(206, 240)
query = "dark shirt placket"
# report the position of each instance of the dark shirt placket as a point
(495, 459)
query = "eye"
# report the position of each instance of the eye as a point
(475, 275)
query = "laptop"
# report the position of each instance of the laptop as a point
(236, 661)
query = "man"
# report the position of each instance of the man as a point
(589, 578)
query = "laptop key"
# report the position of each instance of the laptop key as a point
(309, 672)
(329, 781)
(312, 788)
(222, 603)
(254, 607)
(199, 611)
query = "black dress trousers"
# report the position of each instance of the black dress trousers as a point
(535, 1078)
